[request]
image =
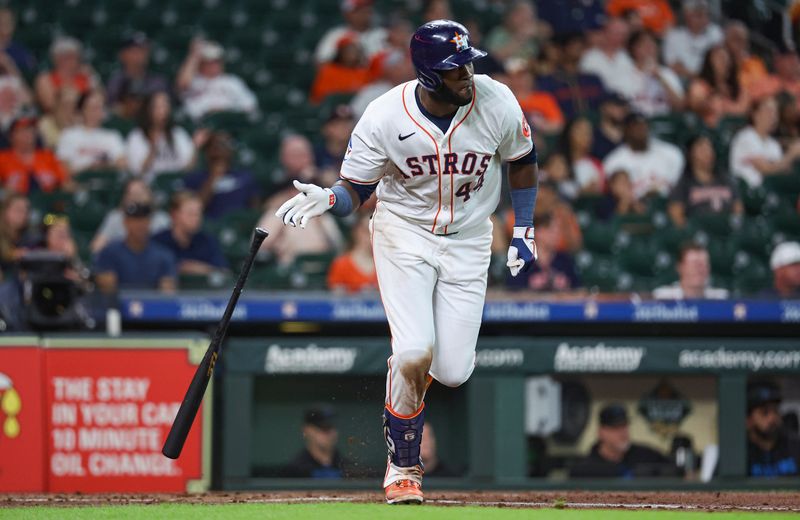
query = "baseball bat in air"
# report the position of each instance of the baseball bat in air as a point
(194, 395)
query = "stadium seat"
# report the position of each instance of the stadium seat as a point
(752, 279)
(215, 280)
(310, 271)
(599, 273)
(599, 237)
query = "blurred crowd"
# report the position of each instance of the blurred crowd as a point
(667, 135)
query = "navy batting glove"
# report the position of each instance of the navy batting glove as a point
(522, 251)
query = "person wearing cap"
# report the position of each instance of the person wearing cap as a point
(205, 87)
(89, 146)
(69, 72)
(785, 265)
(576, 92)
(196, 251)
(347, 73)
(609, 130)
(335, 131)
(358, 19)
(614, 455)
(319, 457)
(685, 45)
(134, 62)
(654, 166)
(113, 226)
(25, 167)
(135, 262)
(771, 450)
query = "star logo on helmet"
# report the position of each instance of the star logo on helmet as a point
(461, 42)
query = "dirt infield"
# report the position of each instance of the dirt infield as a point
(698, 501)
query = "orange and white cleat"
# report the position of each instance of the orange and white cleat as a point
(404, 491)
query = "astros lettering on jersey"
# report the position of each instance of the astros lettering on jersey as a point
(442, 182)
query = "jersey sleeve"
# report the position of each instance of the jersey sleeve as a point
(517, 138)
(365, 159)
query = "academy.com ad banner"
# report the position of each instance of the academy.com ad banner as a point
(98, 411)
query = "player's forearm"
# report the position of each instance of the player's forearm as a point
(349, 196)
(523, 180)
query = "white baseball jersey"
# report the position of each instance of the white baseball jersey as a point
(443, 182)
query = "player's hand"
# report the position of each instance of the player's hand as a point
(522, 251)
(312, 201)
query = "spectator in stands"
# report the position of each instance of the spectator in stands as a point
(112, 228)
(321, 235)
(126, 112)
(358, 19)
(25, 167)
(196, 251)
(753, 74)
(716, 92)
(135, 262)
(785, 265)
(684, 46)
(393, 68)
(610, 130)
(69, 72)
(539, 107)
(14, 93)
(354, 271)
(518, 36)
(568, 17)
(620, 200)
(614, 455)
(437, 10)
(319, 458)
(555, 169)
(335, 136)
(576, 92)
(551, 205)
(771, 450)
(58, 239)
(586, 169)
(703, 188)
(89, 146)
(654, 166)
(788, 120)
(14, 237)
(23, 59)
(488, 65)
(221, 186)
(656, 15)
(694, 277)
(398, 33)
(64, 115)
(653, 89)
(158, 145)
(205, 87)
(553, 271)
(429, 453)
(787, 72)
(347, 73)
(609, 60)
(134, 62)
(754, 152)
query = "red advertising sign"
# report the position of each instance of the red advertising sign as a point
(22, 440)
(108, 413)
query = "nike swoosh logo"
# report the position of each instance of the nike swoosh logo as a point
(404, 137)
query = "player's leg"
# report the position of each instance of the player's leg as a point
(407, 278)
(458, 307)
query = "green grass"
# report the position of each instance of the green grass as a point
(357, 511)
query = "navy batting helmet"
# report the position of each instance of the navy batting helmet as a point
(440, 45)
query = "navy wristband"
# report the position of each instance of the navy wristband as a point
(523, 200)
(344, 203)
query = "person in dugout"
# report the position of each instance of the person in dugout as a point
(771, 450)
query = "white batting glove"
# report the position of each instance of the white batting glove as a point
(522, 251)
(312, 201)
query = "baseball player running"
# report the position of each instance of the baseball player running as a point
(433, 150)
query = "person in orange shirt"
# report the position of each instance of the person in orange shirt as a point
(753, 74)
(24, 167)
(354, 271)
(346, 74)
(69, 72)
(656, 15)
(540, 107)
